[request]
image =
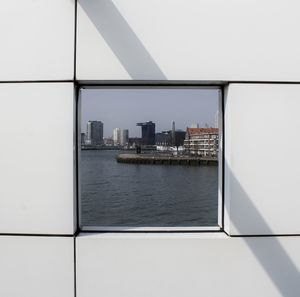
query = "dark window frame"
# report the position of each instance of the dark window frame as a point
(149, 85)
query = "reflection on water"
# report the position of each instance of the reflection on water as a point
(115, 194)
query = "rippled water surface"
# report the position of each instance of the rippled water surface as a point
(114, 194)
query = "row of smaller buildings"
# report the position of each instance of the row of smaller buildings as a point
(193, 141)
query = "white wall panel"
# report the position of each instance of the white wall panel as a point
(262, 166)
(37, 39)
(188, 40)
(36, 266)
(36, 160)
(212, 265)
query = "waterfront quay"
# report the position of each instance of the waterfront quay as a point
(163, 159)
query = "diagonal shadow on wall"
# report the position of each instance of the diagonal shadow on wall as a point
(121, 39)
(268, 250)
(139, 64)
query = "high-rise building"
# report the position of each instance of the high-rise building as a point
(116, 136)
(94, 132)
(120, 136)
(148, 133)
(124, 136)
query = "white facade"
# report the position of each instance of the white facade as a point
(193, 265)
(249, 47)
(202, 142)
(37, 166)
(261, 185)
(191, 40)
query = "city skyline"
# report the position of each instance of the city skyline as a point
(193, 125)
(124, 108)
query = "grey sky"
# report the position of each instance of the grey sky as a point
(123, 108)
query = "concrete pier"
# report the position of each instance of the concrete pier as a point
(161, 159)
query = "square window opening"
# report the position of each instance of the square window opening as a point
(150, 158)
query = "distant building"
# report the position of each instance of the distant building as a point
(163, 138)
(195, 125)
(108, 141)
(116, 136)
(148, 133)
(94, 132)
(120, 136)
(170, 138)
(134, 141)
(82, 138)
(124, 137)
(202, 141)
(179, 138)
